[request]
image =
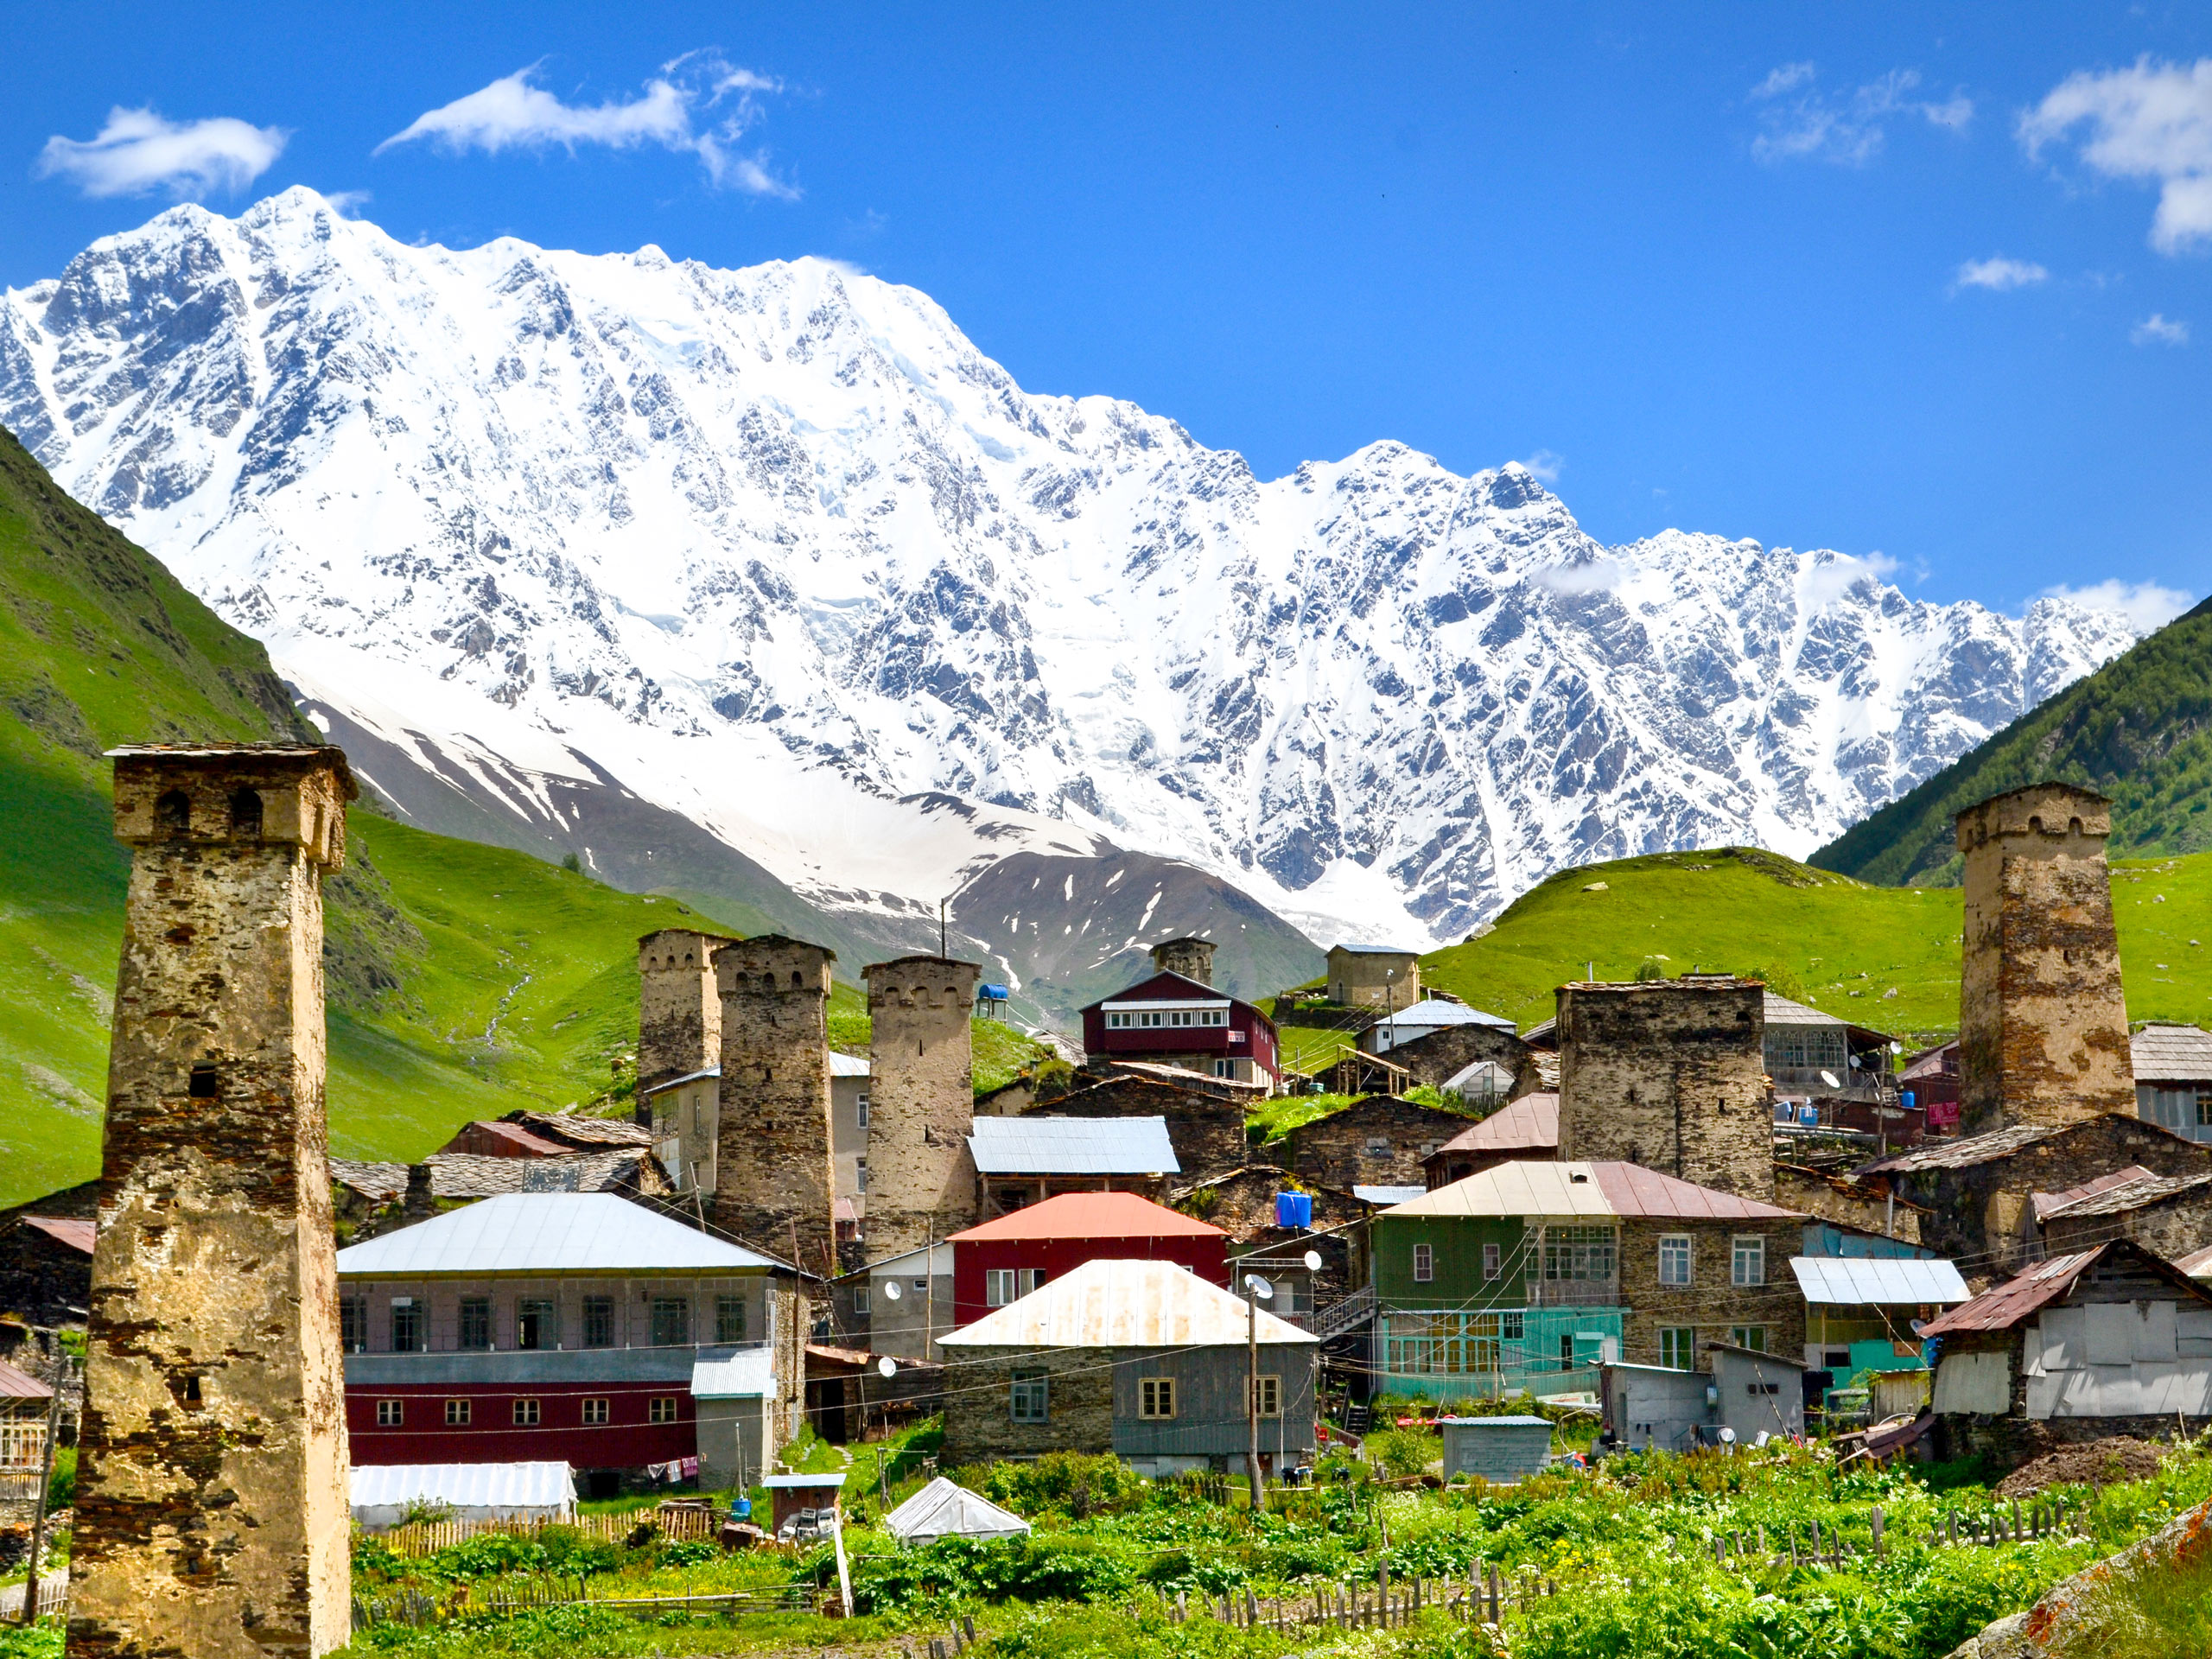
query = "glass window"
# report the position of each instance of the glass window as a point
(1579, 1253)
(2204, 1111)
(1748, 1336)
(860, 1304)
(1156, 1397)
(671, 1321)
(599, 1321)
(1029, 1398)
(1270, 1394)
(859, 1173)
(1748, 1262)
(1424, 1263)
(353, 1323)
(662, 1409)
(1493, 1261)
(538, 1323)
(390, 1413)
(1031, 1279)
(1678, 1347)
(476, 1322)
(457, 1414)
(729, 1317)
(595, 1410)
(860, 1106)
(998, 1286)
(1674, 1258)
(406, 1325)
(526, 1413)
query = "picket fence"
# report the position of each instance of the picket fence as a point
(53, 1595)
(409, 1606)
(673, 1521)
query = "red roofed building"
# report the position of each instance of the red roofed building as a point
(1005, 1259)
(1177, 1018)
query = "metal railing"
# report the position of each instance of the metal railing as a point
(1342, 1315)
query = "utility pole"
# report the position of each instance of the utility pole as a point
(1252, 1393)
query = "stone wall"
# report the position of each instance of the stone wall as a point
(1374, 979)
(1192, 958)
(1335, 1151)
(2042, 1026)
(2172, 1227)
(774, 1182)
(1669, 1074)
(1205, 1128)
(42, 1280)
(1835, 1197)
(1437, 1057)
(679, 1006)
(212, 1508)
(978, 1413)
(921, 1180)
(1712, 1302)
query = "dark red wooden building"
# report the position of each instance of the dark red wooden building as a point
(1172, 1021)
(1005, 1259)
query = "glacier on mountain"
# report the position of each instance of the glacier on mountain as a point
(779, 549)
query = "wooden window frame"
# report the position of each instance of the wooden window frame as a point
(1270, 1393)
(391, 1413)
(1155, 1398)
(594, 1411)
(529, 1411)
(459, 1412)
(1424, 1263)
(661, 1408)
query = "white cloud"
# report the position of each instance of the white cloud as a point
(1831, 576)
(1545, 464)
(1595, 576)
(2159, 329)
(2152, 122)
(677, 110)
(2144, 604)
(138, 151)
(1799, 121)
(346, 203)
(2000, 273)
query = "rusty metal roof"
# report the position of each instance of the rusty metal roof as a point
(76, 1233)
(21, 1385)
(2049, 1204)
(1115, 1304)
(2006, 1305)
(1530, 1123)
(2172, 1054)
(2197, 1264)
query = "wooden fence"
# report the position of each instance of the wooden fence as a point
(409, 1606)
(53, 1595)
(672, 1521)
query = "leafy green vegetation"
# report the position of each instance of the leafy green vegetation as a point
(2139, 729)
(1887, 958)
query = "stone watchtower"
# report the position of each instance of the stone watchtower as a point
(212, 1501)
(773, 1176)
(1192, 958)
(1669, 1074)
(679, 1005)
(921, 1178)
(2042, 1028)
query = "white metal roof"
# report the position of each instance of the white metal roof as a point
(1521, 1188)
(1072, 1146)
(1435, 1011)
(911, 1263)
(1386, 1196)
(847, 1065)
(465, 1486)
(547, 1232)
(748, 1374)
(1859, 1280)
(802, 1482)
(945, 1509)
(1115, 1304)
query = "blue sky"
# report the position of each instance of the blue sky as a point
(1927, 282)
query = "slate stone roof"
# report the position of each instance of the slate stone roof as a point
(2172, 1054)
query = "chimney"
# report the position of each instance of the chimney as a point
(2042, 1026)
(418, 1204)
(774, 1185)
(1190, 958)
(214, 1389)
(921, 1179)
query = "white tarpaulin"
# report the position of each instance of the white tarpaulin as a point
(942, 1510)
(384, 1493)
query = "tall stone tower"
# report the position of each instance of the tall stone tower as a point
(921, 1178)
(1669, 1074)
(679, 1005)
(2042, 1026)
(212, 1501)
(773, 1176)
(1192, 958)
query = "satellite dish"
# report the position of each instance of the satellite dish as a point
(1828, 1077)
(1313, 1261)
(887, 1365)
(1728, 1437)
(1259, 1288)
(890, 1291)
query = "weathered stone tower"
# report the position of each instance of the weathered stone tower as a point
(774, 1177)
(2042, 1028)
(921, 1178)
(679, 1005)
(1669, 1074)
(211, 1502)
(1192, 958)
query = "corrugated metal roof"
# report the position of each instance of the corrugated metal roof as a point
(1497, 1422)
(1385, 1196)
(464, 1485)
(1535, 1188)
(2197, 1264)
(76, 1233)
(2172, 1054)
(2005, 1307)
(1435, 1011)
(21, 1385)
(2049, 1204)
(2145, 1188)
(748, 1374)
(1117, 1304)
(1072, 1146)
(804, 1483)
(1530, 1123)
(1091, 1215)
(1781, 1011)
(946, 1510)
(666, 1084)
(847, 1065)
(1863, 1280)
(546, 1232)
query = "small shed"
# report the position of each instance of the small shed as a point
(1503, 1450)
(383, 1494)
(945, 1509)
(1757, 1393)
(1655, 1405)
(789, 1494)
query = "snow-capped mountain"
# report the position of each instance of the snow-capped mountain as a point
(778, 552)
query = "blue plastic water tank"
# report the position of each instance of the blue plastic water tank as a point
(1294, 1208)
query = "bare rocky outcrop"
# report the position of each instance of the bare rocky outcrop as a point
(2065, 1618)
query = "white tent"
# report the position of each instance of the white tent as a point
(942, 1510)
(382, 1493)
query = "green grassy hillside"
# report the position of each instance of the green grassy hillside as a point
(1887, 957)
(2139, 729)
